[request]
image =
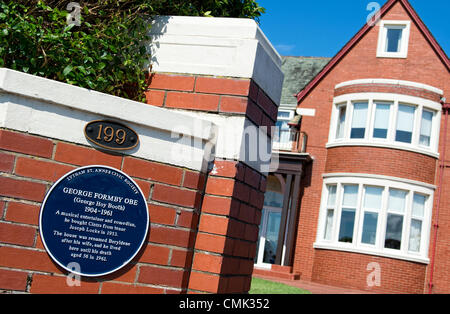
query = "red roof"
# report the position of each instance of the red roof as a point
(335, 60)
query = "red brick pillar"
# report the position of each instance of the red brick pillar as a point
(225, 245)
(236, 101)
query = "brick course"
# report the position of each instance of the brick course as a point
(214, 95)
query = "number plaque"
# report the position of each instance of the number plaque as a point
(111, 135)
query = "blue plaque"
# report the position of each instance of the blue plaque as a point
(95, 218)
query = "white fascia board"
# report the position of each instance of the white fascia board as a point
(227, 47)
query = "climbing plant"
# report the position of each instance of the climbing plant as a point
(100, 45)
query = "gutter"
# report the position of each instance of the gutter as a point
(446, 109)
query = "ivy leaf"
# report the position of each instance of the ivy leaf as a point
(67, 70)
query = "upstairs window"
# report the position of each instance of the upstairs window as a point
(405, 123)
(359, 120)
(393, 39)
(283, 134)
(397, 122)
(381, 123)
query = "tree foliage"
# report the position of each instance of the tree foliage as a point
(106, 51)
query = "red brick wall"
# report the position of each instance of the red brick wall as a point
(225, 246)
(441, 274)
(423, 66)
(31, 164)
(396, 276)
(388, 88)
(211, 94)
(381, 161)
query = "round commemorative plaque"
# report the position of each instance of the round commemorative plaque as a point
(94, 220)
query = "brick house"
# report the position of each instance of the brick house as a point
(360, 196)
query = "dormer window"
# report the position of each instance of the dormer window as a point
(393, 39)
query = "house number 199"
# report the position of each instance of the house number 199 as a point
(109, 134)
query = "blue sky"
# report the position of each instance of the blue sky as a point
(321, 28)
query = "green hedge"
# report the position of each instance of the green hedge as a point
(105, 52)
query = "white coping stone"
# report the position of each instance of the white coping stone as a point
(231, 47)
(57, 110)
(392, 82)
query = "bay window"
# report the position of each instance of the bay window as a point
(375, 215)
(386, 120)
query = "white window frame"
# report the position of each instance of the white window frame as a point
(378, 249)
(284, 145)
(382, 39)
(389, 142)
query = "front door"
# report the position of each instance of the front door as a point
(268, 237)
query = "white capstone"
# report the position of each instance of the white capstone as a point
(230, 47)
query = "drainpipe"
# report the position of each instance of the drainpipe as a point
(446, 109)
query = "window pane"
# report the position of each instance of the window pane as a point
(394, 228)
(414, 236)
(283, 132)
(273, 227)
(341, 122)
(381, 123)
(329, 224)
(350, 195)
(405, 123)
(331, 195)
(359, 120)
(369, 228)
(273, 199)
(397, 200)
(347, 224)
(394, 39)
(418, 205)
(425, 128)
(372, 197)
(283, 114)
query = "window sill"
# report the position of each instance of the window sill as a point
(392, 56)
(410, 148)
(336, 247)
